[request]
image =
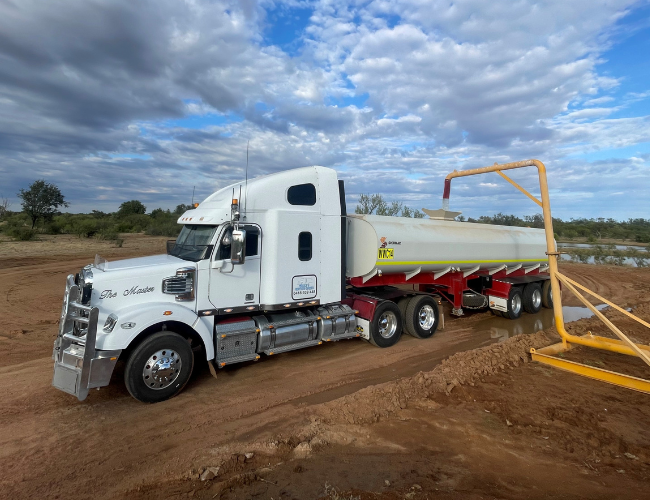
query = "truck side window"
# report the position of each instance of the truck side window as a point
(252, 237)
(302, 194)
(224, 246)
(304, 246)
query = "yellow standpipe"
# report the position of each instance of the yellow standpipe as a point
(545, 355)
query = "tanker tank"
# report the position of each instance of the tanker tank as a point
(389, 245)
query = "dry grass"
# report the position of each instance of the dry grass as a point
(69, 245)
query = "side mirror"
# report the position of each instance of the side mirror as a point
(238, 247)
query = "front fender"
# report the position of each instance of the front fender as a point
(146, 315)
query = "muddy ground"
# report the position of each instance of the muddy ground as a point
(462, 415)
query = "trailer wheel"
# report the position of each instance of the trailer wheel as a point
(532, 298)
(402, 304)
(386, 325)
(159, 367)
(421, 317)
(515, 304)
(547, 295)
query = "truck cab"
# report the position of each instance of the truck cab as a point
(253, 268)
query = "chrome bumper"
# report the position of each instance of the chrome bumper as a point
(78, 367)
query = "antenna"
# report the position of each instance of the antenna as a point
(193, 189)
(246, 188)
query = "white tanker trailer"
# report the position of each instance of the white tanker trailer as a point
(276, 265)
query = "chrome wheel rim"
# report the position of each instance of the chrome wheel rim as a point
(387, 324)
(515, 304)
(426, 317)
(162, 369)
(537, 299)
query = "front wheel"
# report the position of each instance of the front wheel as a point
(159, 367)
(386, 325)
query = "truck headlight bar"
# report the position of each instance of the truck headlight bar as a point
(181, 285)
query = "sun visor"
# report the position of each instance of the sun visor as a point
(208, 216)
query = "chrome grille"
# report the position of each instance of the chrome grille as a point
(181, 285)
(178, 285)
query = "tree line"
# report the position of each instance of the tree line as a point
(592, 230)
(40, 213)
(41, 203)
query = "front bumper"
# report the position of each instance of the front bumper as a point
(78, 367)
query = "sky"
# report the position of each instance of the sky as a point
(113, 100)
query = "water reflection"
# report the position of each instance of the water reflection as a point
(620, 255)
(502, 328)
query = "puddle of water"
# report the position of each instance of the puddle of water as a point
(593, 245)
(502, 328)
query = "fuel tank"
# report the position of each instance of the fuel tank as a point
(403, 245)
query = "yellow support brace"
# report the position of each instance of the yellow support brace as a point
(548, 354)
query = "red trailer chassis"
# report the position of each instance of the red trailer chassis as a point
(451, 286)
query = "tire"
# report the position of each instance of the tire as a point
(515, 304)
(532, 298)
(402, 304)
(547, 295)
(421, 317)
(151, 374)
(386, 325)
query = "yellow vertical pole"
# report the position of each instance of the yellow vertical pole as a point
(551, 250)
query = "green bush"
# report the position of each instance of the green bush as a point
(84, 228)
(135, 223)
(22, 233)
(164, 228)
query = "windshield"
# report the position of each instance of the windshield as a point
(193, 243)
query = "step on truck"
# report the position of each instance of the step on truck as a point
(277, 264)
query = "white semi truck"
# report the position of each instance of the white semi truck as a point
(277, 264)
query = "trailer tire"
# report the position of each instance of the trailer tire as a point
(532, 298)
(547, 295)
(151, 374)
(515, 304)
(386, 325)
(403, 304)
(421, 317)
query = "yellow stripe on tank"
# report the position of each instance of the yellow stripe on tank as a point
(428, 262)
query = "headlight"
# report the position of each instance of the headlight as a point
(86, 284)
(181, 285)
(111, 321)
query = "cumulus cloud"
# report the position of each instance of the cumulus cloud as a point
(117, 99)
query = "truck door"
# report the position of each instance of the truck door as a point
(236, 286)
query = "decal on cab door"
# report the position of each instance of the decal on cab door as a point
(303, 287)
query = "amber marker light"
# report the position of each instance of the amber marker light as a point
(167, 313)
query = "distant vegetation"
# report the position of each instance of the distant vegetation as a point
(375, 204)
(592, 230)
(40, 215)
